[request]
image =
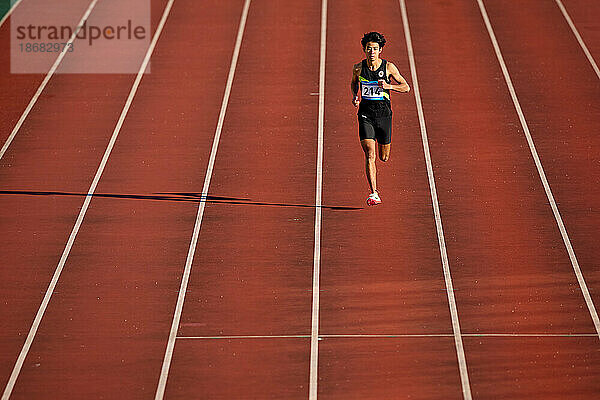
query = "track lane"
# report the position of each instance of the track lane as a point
(496, 212)
(384, 368)
(559, 92)
(381, 268)
(584, 15)
(511, 271)
(399, 262)
(104, 316)
(557, 86)
(43, 178)
(18, 89)
(252, 269)
(166, 365)
(547, 368)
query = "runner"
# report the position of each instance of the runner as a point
(372, 76)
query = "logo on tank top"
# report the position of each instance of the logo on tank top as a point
(381, 74)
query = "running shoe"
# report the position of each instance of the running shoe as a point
(373, 199)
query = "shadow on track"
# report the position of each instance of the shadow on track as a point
(185, 197)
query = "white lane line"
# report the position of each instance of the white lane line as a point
(63, 259)
(162, 383)
(529, 335)
(45, 81)
(10, 11)
(440, 335)
(462, 362)
(314, 335)
(392, 336)
(245, 337)
(542, 174)
(578, 36)
(406, 335)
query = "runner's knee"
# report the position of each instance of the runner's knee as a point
(369, 154)
(384, 152)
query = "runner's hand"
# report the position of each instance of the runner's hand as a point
(355, 101)
(383, 84)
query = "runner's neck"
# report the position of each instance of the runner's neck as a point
(374, 66)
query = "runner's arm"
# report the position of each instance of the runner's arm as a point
(354, 86)
(394, 73)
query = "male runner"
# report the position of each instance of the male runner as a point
(372, 76)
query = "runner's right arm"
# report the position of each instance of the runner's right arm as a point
(354, 85)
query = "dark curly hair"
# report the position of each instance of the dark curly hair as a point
(373, 37)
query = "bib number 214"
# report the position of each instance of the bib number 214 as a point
(372, 91)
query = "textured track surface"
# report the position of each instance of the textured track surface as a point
(245, 331)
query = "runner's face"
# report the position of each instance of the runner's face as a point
(372, 51)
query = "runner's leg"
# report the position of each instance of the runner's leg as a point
(368, 146)
(384, 151)
(383, 134)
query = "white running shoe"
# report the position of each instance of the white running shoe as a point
(373, 199)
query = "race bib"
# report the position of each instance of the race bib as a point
(371, 90)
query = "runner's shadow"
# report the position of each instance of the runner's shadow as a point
(178, 196)
(231, 200)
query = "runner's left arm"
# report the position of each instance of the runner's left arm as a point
(402, 85)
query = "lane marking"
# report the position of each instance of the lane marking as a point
(390, 336)
(10, 11)
(162, 383)
(246, 337)
(561, 226)
(530, 335)
(314, 335)
(42, 309)
(449, 335)
(462, 362)
(579, 38)
(42, 86)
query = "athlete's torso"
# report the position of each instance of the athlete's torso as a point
(375, 101)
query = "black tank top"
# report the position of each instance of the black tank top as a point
(375, 102)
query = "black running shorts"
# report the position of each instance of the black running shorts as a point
(379, 129)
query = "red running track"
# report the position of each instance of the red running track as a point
(510, 267)
(381, 271)
(246, 323)
(257, 257)
(43, 176)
